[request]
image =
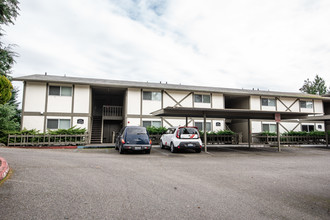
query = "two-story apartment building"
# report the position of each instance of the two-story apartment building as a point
(104, 106)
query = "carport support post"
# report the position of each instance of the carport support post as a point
(205, 137)
(186, 121)
(249, 133)
(278, 136)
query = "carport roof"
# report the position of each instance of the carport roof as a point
(318, 118)
(227, 113)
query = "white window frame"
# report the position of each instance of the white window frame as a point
(58, 123)
(269, 125)
(208, 125)
(268, 102)
(203, 99)
(153, 96)
(152, 123)
(308, 127)
(307, 105)
(61, 94)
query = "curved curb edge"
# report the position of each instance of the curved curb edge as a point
(4, 168)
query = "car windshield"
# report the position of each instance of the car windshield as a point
(136, 130)
(188, 131)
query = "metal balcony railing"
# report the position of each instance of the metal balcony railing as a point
(112, 111)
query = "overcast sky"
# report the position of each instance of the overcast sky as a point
(265, 44)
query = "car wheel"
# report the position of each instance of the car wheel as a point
(121, 150)
(162, 145)
(173, 149)
(147, 151)
(198, 150)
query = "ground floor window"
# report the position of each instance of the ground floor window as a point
(156, 124)
(200, 126)
(307, 128)
(269, 127)
(58, 123)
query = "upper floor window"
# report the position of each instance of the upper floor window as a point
(60, 90)
(269, 127)
(154, 96)
(268, 102)
(306, 104)
(203, 98)
(156, 124)
(58, 123)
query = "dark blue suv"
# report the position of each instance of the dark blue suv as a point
(133, 138)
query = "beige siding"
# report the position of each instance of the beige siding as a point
(35, 97)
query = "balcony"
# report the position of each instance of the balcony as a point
(112, 112)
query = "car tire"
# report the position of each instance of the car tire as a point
(198, 150)
(147, 151)
(162, 146)
(173, 149)
(121, 150)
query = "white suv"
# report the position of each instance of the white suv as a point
(180, 138)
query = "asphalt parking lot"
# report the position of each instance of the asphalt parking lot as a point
(226, 183)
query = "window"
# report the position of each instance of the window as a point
(307, 128)
(306, 104)
(200, 127)
(60, 90)
(203, 98)
(268, 102)
(156, 124)
(269, 127)
(154, 96)
(58, 123)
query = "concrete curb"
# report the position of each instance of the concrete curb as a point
(4, 168)
(44, 147)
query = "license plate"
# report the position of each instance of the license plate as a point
(138, 148)
(190, 145)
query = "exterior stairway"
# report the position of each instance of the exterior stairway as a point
(96, 130)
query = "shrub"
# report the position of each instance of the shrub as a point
(267, 133)
(224, 132)
(156, 130)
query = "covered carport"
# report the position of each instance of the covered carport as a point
(326, 119)
(230, 114)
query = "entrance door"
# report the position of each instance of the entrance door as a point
(110, 128)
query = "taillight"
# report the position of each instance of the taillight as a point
(150, 142)
(122, 141)
(177, 134)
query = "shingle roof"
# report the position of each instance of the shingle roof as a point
(150, 85)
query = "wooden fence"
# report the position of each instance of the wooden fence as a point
(211, 139)
(47, 140)
(290, 140)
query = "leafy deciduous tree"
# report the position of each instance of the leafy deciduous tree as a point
(317, 87)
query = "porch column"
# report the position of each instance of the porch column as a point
(205, 137)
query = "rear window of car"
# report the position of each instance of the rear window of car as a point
(136, 130)
(188, 131)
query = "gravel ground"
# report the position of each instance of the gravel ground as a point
(226, 183)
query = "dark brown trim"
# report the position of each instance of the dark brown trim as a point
(58, 114)
(72, 103)
(46, 107)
